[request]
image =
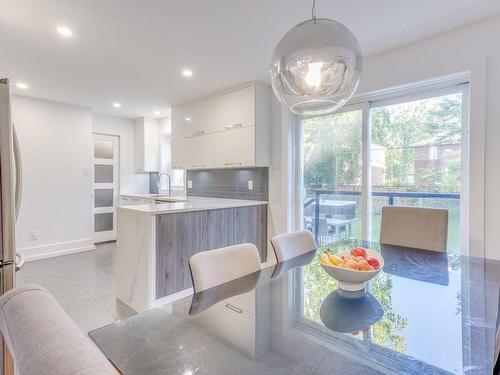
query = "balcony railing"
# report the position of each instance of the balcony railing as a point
(390, 195)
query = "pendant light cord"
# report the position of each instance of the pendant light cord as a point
(313, 11)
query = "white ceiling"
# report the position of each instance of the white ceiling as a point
(133, 51)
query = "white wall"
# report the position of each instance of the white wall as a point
(130, 181)
(55, 141)
(474, 49)
(56, 145)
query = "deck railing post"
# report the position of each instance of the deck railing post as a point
(316, 216)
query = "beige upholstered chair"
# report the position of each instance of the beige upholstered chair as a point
(293, 244)
(215, 267)
(415, 227)
(42, 338)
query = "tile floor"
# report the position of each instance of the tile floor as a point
(83, 283)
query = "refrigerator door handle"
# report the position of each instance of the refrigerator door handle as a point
(19, 173)
(20, 260)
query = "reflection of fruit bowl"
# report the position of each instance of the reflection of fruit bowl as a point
(352, 279)
(349, 315)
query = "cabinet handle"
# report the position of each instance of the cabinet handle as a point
(199, 132)
(198, 166)
(229, 164)
(233, 126)
(233, 308)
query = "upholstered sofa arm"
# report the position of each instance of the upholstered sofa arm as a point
(42, 338)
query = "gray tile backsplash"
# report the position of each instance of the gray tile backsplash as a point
(153, 179)
(229, 183)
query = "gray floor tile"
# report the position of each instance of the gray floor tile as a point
(91, 316)
(118, 309)
(73, 297)
(82, 283)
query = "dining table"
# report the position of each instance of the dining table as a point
(425, 312)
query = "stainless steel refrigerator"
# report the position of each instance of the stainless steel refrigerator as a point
(10, 200)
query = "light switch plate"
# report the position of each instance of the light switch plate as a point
(86, 171)
(190, 184)
(250, 185)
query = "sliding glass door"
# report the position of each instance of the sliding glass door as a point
(332, 175)
(407, 150)
(416, 149)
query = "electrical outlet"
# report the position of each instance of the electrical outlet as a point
(250, 185)
(190, 184)
(34, 235)
(86, 171)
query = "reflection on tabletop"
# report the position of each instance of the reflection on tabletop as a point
(350, 312)
(207, 298)
(424, 313)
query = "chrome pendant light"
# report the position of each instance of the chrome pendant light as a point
(316, 66)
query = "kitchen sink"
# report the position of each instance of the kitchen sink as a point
(168, 199)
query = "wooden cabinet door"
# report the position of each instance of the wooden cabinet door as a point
(179, 236)
(221, 228)
(236, 109)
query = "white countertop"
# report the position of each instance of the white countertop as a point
(150, 196)
(191, 204)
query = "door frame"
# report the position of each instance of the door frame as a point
(115, 185)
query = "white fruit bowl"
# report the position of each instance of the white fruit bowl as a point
(353, 280)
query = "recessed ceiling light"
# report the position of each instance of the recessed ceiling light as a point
(64, 31)
(22, 85)
(188, 119)
(187, 73)
(117, 105)
(157, 113)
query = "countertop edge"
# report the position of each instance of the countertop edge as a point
(143, 209)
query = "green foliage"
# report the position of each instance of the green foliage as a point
(332, 150)
(333, 145)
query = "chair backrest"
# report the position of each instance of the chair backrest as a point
(415, 227)
(214, 267)
(289, 245)
(43, 339)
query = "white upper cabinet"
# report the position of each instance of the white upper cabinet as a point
(227, 130)
(199, 118)
(235, 148)
(147, 145)
(199, 152)
(236, 109)
(177, 135)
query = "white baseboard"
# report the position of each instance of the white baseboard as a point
(57, 249)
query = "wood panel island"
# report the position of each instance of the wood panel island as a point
(155, 242)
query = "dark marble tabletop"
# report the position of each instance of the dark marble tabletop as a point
(425, 313)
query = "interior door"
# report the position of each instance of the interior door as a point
(106, 186)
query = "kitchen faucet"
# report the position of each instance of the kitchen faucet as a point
(158, 182)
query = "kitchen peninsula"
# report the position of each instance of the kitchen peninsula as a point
(155, 242)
